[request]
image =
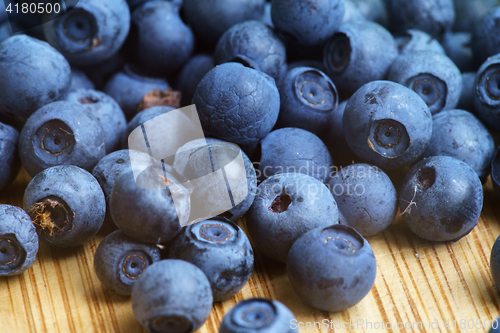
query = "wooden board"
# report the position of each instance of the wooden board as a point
(419, 284)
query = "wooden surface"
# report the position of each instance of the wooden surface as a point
(417, 282)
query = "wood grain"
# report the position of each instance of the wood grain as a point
(418, 283)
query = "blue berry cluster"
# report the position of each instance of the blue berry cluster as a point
(327, 103)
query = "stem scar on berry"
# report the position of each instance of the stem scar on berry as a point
(46, 218)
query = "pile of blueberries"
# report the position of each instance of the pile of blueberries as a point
(344, 111)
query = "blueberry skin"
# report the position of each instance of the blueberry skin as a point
(358, 53)
(144, 208)
(485, 40)
(255, 45)
(91, 32)
(221, 250)
(119, 261)
(102, 72)
(164, 42)
(459, 134)
(372, 10)
(416, 40)
(495, 172)
(497, 329)
(66, 204)
(135, 3)
(384, 107)
(432, 16)
(80, 80)
(288, 205)
(191, 74)
(294, 150)
(237, 104)
(433, 76)
(469, 13)
(458, 48)
(114, 164)
(307, 22)
(107, 112)
(61, 133)
(466, 101)
(348, 277)
(9, 155)
(172, 295)
(308, 97)
(18, 241)
(441, 199)
(32, 74)
(487, 93)
(129, 86)
(210, 19)
(203, 158)
(495, 262)
(366, 198)
(258, 315)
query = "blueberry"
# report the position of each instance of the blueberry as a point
(32, 74)
(359, 52)
(258, 315)
(221, 250)
(107, 112)
(61, 133)
(294, 150)
(164, 42)
(222, 189)
(80, 80)
(485, 38)
(433, 76)
(495, 171)
(9, 155)
(266, 16)
(135, 3)
(495, 262)
(191, 74)
(209, 20)
(487, 93)
(459, 134)
(307, 97)
(143, 207)
(237, 104)
(371, 10)
(495, 326)
(66, 204)
(466, 101)
(344, 281)
(111, 166)
(432, 16)
(352, 12)
(288, 205)
(458, 46)
(91, 32)
(416, 40)
(172, 296)
(119, 261)
(254, 45)
(387, 124)
(307, 22)
(18, 241)
(366, 198)
(469, 13)
(441, 198)
(129, 86)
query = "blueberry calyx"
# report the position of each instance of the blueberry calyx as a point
(170, 323)
(12, 255)
(339, 53)
(492, 85)
(134, 263)
(50, 216)
(315, 90)
(426, 178)
(256, 313)
(388, 138)
(88, 100)
(343, 238)
(280, 204)
(430, 88)
(215, 232)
